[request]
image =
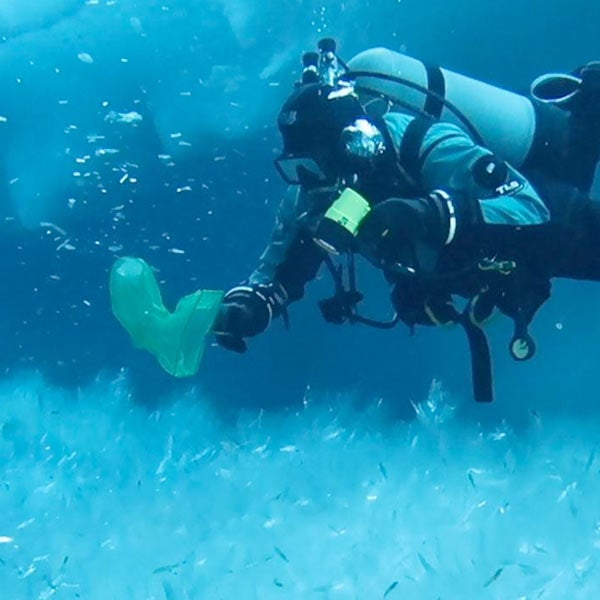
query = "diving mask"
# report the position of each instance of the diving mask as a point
(300, 170)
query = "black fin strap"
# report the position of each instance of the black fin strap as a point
(481, 360)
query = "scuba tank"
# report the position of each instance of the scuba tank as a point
(554, 131)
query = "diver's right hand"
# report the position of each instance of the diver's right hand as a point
(246, 311)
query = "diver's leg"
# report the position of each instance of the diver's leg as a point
(581, 248)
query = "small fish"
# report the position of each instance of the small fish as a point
(165, 568)
(281, 554)
(493, 577)
(425, 564)
(169, 591)
(590, 460)
(390, 588)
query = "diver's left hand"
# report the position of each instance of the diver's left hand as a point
(229, 327)
(246, 311)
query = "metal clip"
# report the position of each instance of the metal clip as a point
(504, 267)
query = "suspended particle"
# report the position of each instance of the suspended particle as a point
(86, 58)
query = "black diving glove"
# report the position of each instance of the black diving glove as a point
(407, 234)
(246, 311)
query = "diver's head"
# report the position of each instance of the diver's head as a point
(319, 124)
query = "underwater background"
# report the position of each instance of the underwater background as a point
(327, 462)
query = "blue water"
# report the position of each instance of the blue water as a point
(302, 469)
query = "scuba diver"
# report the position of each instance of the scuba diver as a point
(468, 198)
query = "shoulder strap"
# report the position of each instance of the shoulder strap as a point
(394, 165)
(410, 147)
(436, 86)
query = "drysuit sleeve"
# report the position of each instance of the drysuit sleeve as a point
(444, 157)
(291, 259)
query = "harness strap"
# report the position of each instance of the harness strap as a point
(394, 159)
(436, 86)
(410, 147)
(481, 359)
(471, 320)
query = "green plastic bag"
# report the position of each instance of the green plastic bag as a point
(177, 339)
